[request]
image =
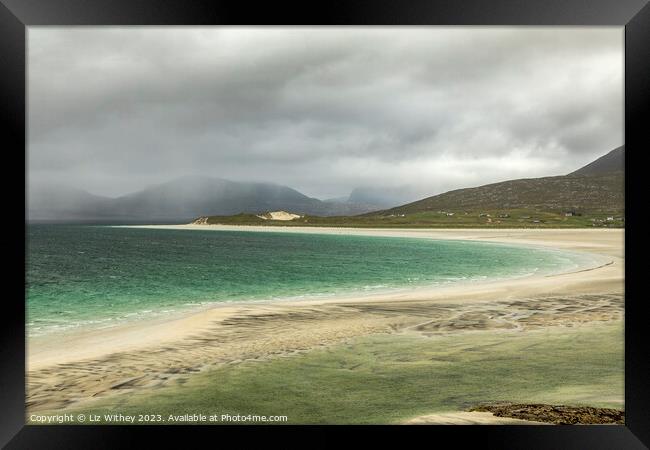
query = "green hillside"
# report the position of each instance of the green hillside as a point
(584, 194)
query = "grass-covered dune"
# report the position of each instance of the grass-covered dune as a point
(447, 218)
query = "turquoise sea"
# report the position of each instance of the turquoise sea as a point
(97, 276)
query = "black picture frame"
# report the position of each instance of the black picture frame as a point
(16, 15)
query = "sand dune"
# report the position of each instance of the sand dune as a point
(277, 215)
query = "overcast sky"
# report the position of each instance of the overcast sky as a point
(323, 110)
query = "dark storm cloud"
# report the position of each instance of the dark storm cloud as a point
(323, 110)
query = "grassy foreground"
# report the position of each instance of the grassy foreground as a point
(388, 378)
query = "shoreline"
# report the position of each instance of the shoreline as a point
(590, 261)
(101, 339)
(492, 234)
(299, 325)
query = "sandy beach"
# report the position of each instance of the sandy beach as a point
(83, 366)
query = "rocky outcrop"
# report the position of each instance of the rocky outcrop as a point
(559, 415)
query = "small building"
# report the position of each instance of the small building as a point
(610, 218)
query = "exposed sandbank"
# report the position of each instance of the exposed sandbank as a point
(467, 418)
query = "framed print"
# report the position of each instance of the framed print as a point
(412, 217)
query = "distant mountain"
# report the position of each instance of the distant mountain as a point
(358, 202)
(188, 197)
(52, 201)
(614, 161)
(343, 199)
(597, 187)
(344, 207)
(380, 197)
(178, 201)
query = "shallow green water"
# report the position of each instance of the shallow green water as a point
(98, 276)
(388, 378)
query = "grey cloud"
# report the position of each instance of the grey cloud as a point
(323, 110)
